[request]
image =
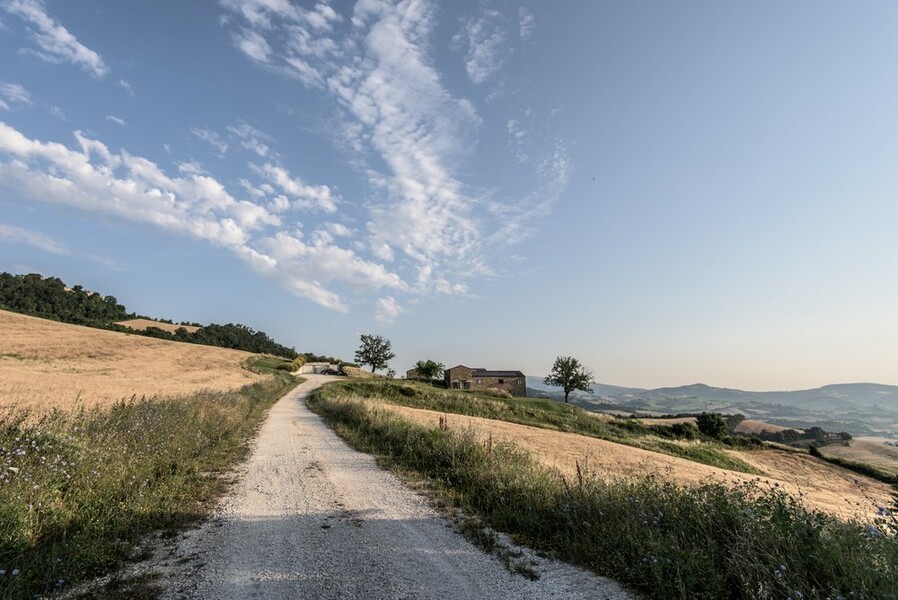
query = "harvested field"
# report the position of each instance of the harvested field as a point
(750, 426)
(141, 324)
(823, 486)
(874, 453)
(747, 426)
(46, 364)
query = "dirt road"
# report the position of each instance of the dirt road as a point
(312, 518)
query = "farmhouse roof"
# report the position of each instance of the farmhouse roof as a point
(485, 373)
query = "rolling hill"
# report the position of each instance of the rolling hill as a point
(859, 408)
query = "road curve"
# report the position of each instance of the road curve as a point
(312, 518)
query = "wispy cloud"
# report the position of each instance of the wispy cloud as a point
(93, 178)
(378, 71)
(13, 94)
(126, 86)
(486, 45)
(251, 139)
(117, 120)
(54, 42)
(526, 22)
(13, 234)
(387, 310)
(211, 138)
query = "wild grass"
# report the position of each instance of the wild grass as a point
(665, 541)
(78, 490)
(267, 363)
(537, 412)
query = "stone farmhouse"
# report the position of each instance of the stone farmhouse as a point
(466, 378)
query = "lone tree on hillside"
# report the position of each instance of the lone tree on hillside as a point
(429, 369)
(568, 374)
(375, 351)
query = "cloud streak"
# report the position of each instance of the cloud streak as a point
(13, 234)
(93, 178)
(54, 42)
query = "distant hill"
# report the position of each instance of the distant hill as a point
(859, 408)
(599, 389)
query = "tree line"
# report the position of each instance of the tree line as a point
(50, 298)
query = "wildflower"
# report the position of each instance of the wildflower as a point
(873, 531)
(15, 572)
(883, 511)
(2, 572)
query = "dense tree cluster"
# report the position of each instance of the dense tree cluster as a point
(49, 298)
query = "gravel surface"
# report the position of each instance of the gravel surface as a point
(312, 518)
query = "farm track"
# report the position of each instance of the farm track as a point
(312, 518)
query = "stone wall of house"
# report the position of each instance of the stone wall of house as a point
(455, 375)
(516, 386)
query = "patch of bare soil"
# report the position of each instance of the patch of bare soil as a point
(45, 364)
(820, 485)
(141, 324)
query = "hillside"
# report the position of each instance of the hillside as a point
(51, 298)
(858, 408)
(45, 364)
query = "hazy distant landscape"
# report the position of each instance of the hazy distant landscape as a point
(859, 408)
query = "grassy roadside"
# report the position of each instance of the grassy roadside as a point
(663, 540)
(78, 491)
(537, 412)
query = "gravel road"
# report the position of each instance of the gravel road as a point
(312, 518)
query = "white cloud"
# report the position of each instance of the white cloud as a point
(387, 310)
(117, 120)
(95, 179)
(251, 139)
(526, 23)
(55, 43)
(211, 138)
(126, 86)
(13, 234)
(14, 94)
(487, 45)
(305, 196)
(253, 45)
(401, 128)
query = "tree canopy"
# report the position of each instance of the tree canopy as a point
(430, 369)
(375, 351)
(568, 374)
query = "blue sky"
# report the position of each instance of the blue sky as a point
(671, 192)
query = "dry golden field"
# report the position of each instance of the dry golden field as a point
(868, 451)
(141, 324)
(746, 426)
(820, 485)
(45, 364)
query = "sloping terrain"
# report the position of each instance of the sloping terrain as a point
(46, 364)
(142, 324)
(820, 485)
